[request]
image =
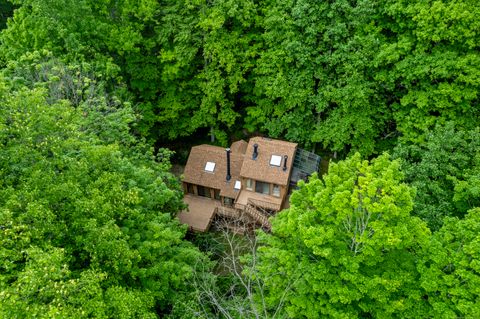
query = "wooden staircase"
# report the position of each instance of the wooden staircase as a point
(246, 214)
(260, 218)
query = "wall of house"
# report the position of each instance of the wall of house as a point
(214, 193)
(283, 189)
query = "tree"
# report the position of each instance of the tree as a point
(235, 288)
(451, 268)
(315, 77)
(429, 60)
(208, 53)
(352, 244)
(346, 75)
(444, 170)
(86, 229)
(107, 111)
(187, 74)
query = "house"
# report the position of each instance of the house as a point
(246, 183)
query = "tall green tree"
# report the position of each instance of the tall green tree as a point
(86, 229)
(358, 74)
(347, 247)
(315, 77)
(451, 271)
(208, 53)
(187, 63)
(429, 61)
(444, 169)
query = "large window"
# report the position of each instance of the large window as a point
(203, 191)
(262, 188)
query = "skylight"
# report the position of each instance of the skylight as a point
(276, 160)
(210, 167)
(238, 185)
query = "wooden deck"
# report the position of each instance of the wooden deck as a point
(200, 213)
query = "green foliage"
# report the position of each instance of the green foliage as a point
(187, 73)
(430, 62)
(451, 271)
(45, 287)
(86, 207)
(208, 52)
(106, 112)
(93, 214)
(348, 75)
(347, 247)
(356, 73)
(315, 77)
(445, 171)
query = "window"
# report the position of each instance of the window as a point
(262, 188)
(238, 185)
(204, 191)
(216, 194)
(249, 185)
(276, 190)
(210, 167)
(276, 160)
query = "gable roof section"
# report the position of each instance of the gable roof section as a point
(260, 168)
(239, 147)
(195, 172)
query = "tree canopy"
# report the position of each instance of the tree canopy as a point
(444, 169)
(92, 92)
(450, 273)
(348, 245)
(86, 227)
(343, 75)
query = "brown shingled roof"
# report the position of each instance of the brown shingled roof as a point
(239, 147)
(260, 169)
(195, 169)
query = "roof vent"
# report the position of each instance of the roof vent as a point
(285, 158)
(210, 167)
(276, 160)
(255, 151)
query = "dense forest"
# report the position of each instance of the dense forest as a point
(95, 95)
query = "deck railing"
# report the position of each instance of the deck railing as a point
(258, 216)
(228, 212)
(263, 204)
(242, 211)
